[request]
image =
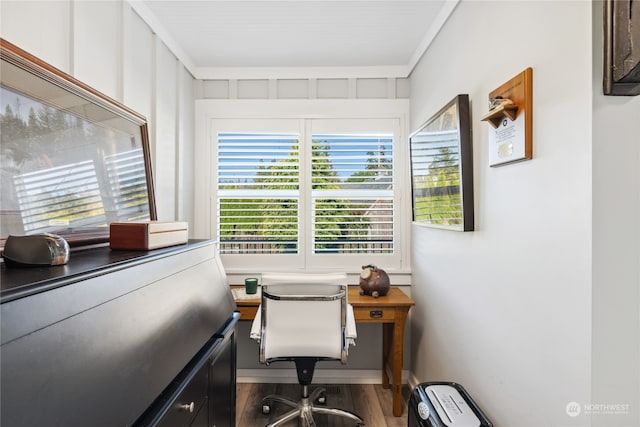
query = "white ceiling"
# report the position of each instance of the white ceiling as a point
(296, 38)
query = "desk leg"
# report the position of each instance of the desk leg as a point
(387, 350)
(392, 355)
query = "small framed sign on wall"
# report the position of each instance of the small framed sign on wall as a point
(511, 116)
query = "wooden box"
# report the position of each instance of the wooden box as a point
(147, 235)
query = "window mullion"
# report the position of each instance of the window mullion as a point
(306, 212)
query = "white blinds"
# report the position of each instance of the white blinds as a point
(352, 197)
(255, 161)
(258, 179)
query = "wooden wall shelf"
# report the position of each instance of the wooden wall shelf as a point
(495, 116)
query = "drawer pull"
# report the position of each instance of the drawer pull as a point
(375, 314)
(188, 408)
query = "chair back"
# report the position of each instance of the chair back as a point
(303, 315)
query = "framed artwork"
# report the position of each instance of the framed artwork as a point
(72, 160)
(442, 168)
(621, 47)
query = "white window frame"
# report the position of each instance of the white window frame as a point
(210, 112)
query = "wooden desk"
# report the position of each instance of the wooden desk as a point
(390, 310)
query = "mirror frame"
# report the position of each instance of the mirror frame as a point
(29, 64)
(459, 155)
(621, 67)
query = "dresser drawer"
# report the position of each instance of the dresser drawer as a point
(189, 402)
(374, 314)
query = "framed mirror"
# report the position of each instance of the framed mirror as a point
(442, 169)
(72, 160)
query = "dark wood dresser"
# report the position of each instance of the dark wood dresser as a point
(119, 338)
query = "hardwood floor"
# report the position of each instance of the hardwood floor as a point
(369, 401)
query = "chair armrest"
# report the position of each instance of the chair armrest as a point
(351, 331)
(256, 325)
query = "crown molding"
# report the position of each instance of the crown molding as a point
(437, 24)
(161, 32)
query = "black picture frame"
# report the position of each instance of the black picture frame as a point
(73, 160)
(442, 168)
(621, 74)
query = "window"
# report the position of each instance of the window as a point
(315, 193)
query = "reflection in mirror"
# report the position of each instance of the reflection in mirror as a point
(442, 169)
(71, 160)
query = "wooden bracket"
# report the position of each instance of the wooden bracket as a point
(495, 116)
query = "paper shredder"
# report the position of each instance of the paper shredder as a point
(444, 404)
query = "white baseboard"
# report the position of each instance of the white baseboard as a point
(320, 376)
(413, 381)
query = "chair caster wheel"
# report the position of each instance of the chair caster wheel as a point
(266, 409)
(322, 399)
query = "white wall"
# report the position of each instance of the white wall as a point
(106, 45)
(506, 310)
(616, 247)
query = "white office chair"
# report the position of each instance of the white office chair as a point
(304, 318)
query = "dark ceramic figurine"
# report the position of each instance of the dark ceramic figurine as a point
(374, 281)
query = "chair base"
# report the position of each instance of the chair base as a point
(304, 409)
